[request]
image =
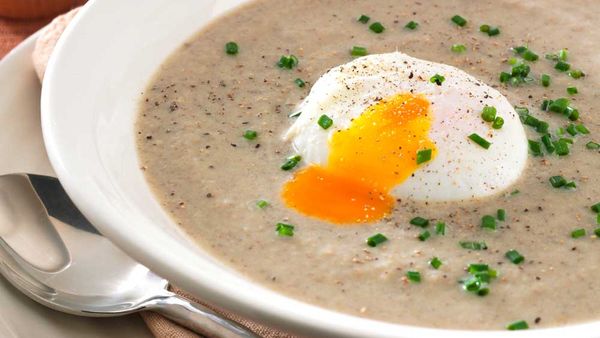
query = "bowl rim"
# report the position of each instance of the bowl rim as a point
(287, 313)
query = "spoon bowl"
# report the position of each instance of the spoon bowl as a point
(95, 277)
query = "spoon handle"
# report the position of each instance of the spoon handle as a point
(198, 317)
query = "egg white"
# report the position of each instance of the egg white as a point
(462, 169)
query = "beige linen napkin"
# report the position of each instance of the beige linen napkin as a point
(160, 326)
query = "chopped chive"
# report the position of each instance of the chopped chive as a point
(498, 123)
(578, 233)
(420, 222)
(484, 28)
(423, 236)
(458, 48)
(291, 162)
(571, 185)
(262, 204)
(358, 51)
(582, 129)
(493, 31)
(377, 27)
(325, 121)
(414, 276)
(284, 229)
(288, 61)
(376, 239)
(488, 222)
(547, 141)
(520, 325)
(300, 83)
(596, 208)
(473, 245)
(559, 105)
(519, 49)
(562, 66)
(572, 90)
(592, 145)
(535, 147)
(488, 114)
(440, 228)
(566, 140)
(250, 134)
(363, 19)
(459, 20)
(562, 147)
(423, 156)
(545, 78)
(477, 267)
(480, 141)
(515, 192)
(514, 256)
(501, 215)
(435, 263)
(231, 48)
(557, 181)
(504, 77)
(571, 129)
(576, 74)
(437, 79)
(529, 55)
(512, 61)
(411, 25)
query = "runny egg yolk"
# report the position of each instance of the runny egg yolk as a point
(366, 161)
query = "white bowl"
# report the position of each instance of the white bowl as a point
(89, 103)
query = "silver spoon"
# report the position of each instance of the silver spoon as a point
(86, 274)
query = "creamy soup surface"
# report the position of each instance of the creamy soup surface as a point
(201, 101)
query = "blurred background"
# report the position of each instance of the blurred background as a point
(21, 18)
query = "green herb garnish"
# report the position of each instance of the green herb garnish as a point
(435, 263)
(414, 276)
(488, 222)
(459, 20)
(291, 162)
(457, 48)
(578, 233)
(325, 121)
(437, 79)
(300, 83)
(262, 204)
(250, 134)
(358, 51)
(411, 25)
(288, 61)
(376, 239)
(547, 141)
(596, 208)
(545, 78)
(440, 228)
(572, 90)
(480, 141)
(514, 256)
(231, 48)
(535, 147)
(473, 245)
(377, 27)
(423, 156)
(520, 325)
(576, 74)
(498, 123)
(284, 229)
(592, 145)
(420, 222)
(562, 66)
(363, 19)
(423, 236)
(488, 114)
(481, 276)
(501, 215)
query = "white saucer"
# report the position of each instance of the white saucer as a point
(22, 150)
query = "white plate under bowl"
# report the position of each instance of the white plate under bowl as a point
(89, 101)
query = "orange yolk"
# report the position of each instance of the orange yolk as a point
(366, 161)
